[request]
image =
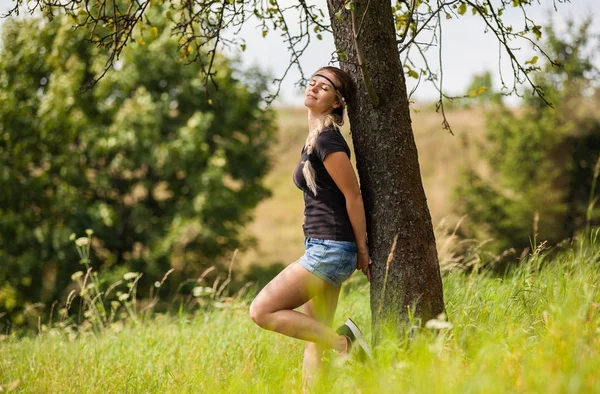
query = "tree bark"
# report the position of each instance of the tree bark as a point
(388, 168)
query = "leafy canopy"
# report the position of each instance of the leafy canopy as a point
(163, 168)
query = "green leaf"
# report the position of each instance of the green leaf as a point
(264, 33)
(351, 5)
(412, 73)
(462, 9)
(338, 15)
(342, 55)
(532, 61)
(537, 30)
(319, 37)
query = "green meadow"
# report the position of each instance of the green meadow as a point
(536, 329)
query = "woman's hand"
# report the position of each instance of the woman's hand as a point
(364, 263)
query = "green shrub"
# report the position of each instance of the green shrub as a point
(164, 167)
(540, 160)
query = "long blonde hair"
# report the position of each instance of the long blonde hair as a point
(307, 170)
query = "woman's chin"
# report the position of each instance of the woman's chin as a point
(312, 104)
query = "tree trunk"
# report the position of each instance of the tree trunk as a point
(388, 167)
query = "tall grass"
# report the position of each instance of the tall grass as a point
(534, 330)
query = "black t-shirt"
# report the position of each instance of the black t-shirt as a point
(325, 215)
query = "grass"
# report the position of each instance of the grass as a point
(535, 330)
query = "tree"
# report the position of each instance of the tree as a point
(480, 91)
(371, 36)
(541, 159)
(165, 176)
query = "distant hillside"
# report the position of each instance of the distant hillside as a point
(278, 220)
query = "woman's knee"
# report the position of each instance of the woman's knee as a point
(259, 314)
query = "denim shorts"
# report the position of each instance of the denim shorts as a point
(332, 261)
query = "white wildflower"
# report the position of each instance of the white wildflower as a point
(435, 324)
(199, 291)
(130, 275)
(82, 242)
(76, 275)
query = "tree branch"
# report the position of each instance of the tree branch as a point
(362, 19)
(361, 61)
(440, 104)
(431, 16)
(410, 14)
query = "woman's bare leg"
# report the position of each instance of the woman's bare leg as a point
(322, 307)
(273, 308)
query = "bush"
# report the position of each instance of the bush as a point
(165, 168)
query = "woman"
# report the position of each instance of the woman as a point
(335, 231)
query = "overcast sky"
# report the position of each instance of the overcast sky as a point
(466, 49)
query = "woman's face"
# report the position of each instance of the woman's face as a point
(320, 95)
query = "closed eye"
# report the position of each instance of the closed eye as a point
(324, 86)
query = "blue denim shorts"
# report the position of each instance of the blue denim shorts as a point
(332, 261)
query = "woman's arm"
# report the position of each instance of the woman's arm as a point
(340, 169)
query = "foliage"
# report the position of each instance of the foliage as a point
(481, 92)
(532, 331)
(164, 168)
(417, 24)
(541, 160)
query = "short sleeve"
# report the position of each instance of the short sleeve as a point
(330, 141)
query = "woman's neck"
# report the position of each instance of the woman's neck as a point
(314, 119)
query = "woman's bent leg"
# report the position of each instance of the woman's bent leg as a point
(273, 308)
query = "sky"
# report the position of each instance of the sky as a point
(466, 49)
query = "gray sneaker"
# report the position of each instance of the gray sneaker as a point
(351, 331)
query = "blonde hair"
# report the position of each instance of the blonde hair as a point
(307, 170)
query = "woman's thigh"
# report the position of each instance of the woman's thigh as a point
(322, 306)
(293, 287)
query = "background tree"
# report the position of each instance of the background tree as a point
(480, 92)
(541, 159)
(165, 176)
(371, 37)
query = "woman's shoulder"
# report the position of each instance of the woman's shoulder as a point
(331, 133)
(331, 129)
(331, 140)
